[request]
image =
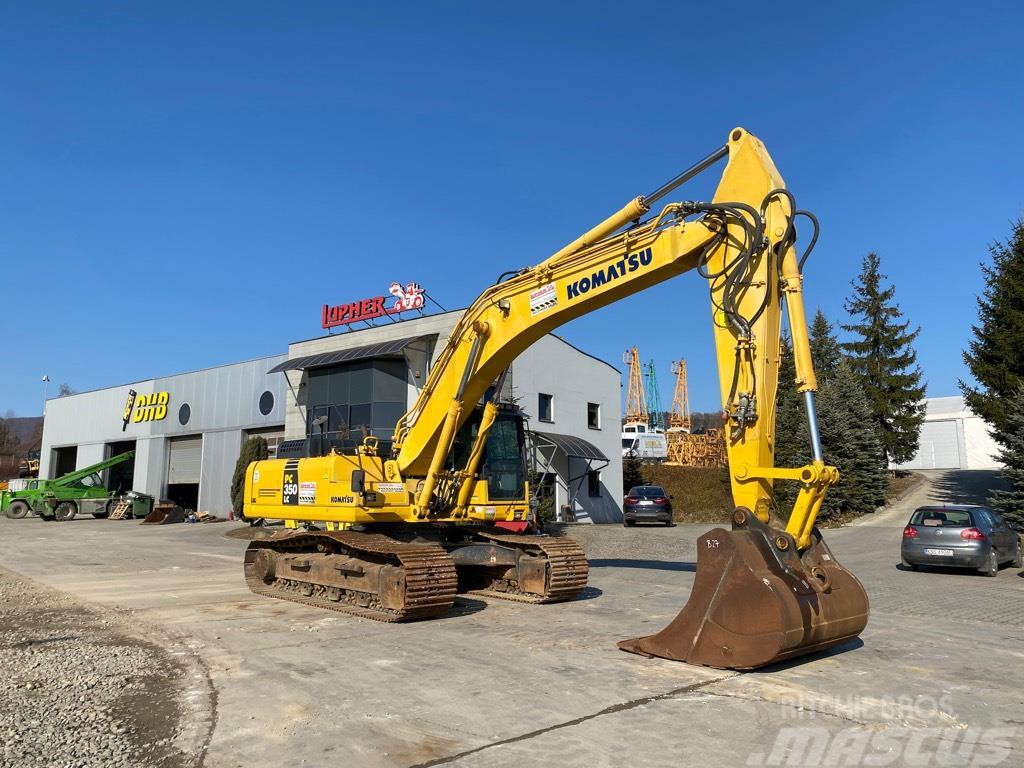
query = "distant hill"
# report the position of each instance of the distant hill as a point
(28, 430)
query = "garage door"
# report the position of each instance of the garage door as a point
(939, 447)
(186, 460)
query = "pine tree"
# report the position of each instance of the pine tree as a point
(792, 440)
(1011, 503)
(883, 356)
(996, 354)
(632, 473)
(847, 432)
(253, 449)
(825, 350)
(850, 443)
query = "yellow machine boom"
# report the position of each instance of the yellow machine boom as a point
(742, 242)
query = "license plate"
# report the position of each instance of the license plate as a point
(946, 552)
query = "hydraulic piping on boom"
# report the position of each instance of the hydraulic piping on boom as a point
(409, 526)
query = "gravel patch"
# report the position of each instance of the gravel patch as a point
(80, 688)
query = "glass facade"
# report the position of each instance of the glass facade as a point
(346, 402)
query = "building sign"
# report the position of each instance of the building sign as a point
(139, 408)
(401, 300)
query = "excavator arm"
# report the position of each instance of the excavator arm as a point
(769, 589)
(742, 242)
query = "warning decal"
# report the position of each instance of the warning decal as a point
(543, 298)
(307, 493)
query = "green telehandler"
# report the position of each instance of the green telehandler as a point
(66, 496)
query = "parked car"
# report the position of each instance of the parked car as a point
(647, 504)
(960, 536)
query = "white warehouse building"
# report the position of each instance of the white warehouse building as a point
(187, 429)
(953, 437)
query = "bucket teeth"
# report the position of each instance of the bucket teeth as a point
(754, 603)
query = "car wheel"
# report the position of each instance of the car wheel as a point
(910, 566)
(1018, 558)
(992, 566)
(65, 511)
(629, 523)
(17, 510)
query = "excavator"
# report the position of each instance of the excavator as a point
(394, 534)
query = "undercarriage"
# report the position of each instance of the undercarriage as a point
(403, 573)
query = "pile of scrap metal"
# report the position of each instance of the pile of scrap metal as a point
(700, 450)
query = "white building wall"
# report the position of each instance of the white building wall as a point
(551, 365)
(223, 401)
(971, 442)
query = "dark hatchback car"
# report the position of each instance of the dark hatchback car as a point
(960, 536)
(647, 504)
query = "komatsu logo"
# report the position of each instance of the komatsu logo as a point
(629, 263)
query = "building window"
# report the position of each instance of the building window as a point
(546, 407)
(266, 402)
(593, 415)
(184, 414)
(594, 483)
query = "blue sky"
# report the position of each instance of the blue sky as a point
(184, 184)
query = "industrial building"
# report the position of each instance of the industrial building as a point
(953, 437)
(327, 392)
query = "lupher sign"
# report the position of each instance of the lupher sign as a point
(409, 297)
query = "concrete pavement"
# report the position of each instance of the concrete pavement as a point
(937, 673)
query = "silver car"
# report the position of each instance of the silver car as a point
(960, 536)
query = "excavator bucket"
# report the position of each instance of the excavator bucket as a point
(165, 514)
(756, 600)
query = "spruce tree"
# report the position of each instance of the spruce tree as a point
(850, 443)
(253, 449)
(792, 440)
(996, 354)
(883, 357)
(1011, 503)
(825, 350)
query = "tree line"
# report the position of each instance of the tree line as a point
(869, 398)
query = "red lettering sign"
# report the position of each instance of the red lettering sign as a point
(410, 296)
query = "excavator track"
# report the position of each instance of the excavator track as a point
(423, 574)
(567, 574)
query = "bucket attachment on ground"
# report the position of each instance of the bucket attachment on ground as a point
(756, 600)
(165, 514)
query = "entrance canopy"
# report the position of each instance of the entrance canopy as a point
(574, 447)
(353, 354)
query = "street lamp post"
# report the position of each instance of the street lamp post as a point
(46, 391)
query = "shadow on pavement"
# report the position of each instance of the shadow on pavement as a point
(659, 565)
(966, 486)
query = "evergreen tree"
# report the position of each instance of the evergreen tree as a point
(792, 440)
(996, 354)
(1011, 503)
(850, 443)
(253, 449)
(825, 350)
(632, 473)
(882, 355)
(847, 432)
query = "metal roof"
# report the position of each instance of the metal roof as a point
(576, 447)
(381, 349)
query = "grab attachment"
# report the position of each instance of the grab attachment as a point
(757, 600)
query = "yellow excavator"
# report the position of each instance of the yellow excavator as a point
(395, 534)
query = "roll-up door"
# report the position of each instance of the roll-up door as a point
(938, 446)
(186, 459)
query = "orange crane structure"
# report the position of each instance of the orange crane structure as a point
(636, 398)
(684, 448)
(679, 417)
